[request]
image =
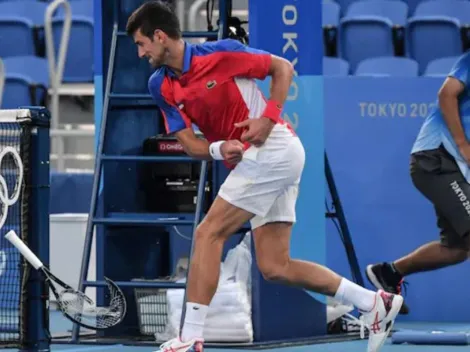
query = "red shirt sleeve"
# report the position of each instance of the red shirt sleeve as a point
(175, 120)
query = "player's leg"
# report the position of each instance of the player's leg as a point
(222, 220)
(379, 309)
(272, 244)
(436, 175)
(239, 199)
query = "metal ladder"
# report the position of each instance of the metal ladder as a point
(101, 158)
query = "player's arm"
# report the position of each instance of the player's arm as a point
(198, 148)
(195, 147)
(176, 121)
(239, 60)
(281, 72)
(449, 104)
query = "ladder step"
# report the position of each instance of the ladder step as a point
(196, 34)
(154, 159)
(137, 284)
(130, 96)
(142, 222)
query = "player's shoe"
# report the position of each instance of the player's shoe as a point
(176, 345)
(380, 276)
(379, 321)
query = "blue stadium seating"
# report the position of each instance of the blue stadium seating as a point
(18, 23)
(79, 60)
(330, 14)
(412, 5)
(367, 29)
(344, 4)
(435, 30)
(26, 81)
(330, 21)
(333, 66)
(387, 66)
(440, 67)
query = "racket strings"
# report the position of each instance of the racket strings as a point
(82, 309)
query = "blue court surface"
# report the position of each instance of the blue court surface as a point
(60, 325)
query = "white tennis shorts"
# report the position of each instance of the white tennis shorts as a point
(266, 181)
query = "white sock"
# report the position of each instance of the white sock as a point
(193, 326)
(350, 293)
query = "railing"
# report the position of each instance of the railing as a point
(59, 154)
(56, 67)
(57, 88)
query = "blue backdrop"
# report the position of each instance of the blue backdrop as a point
(370, 126)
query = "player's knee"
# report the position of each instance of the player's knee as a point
(274, 269)
(459, 252)
(207, 231)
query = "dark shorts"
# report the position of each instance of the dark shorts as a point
(437, 176)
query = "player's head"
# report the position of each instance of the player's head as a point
(154, 26)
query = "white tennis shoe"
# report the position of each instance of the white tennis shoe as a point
(379, 321)
(176, 345)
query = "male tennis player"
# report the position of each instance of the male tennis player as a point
(212, 85)
(440, 160)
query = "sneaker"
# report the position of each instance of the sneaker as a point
(379, 321)
(383, 279)
(176, 345)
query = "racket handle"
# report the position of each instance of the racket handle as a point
(19, 244)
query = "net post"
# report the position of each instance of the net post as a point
(38, 337)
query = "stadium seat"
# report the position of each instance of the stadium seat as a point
(435, 30)
(26, 81)
(330, 14)
(440, 67)
(412, 4)
(330, 20)
(367, 30)
(344, 5)
(387, 66)
(333, 66)
(79, 59)
(20, 21)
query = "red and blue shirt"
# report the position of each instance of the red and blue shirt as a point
(217, 88)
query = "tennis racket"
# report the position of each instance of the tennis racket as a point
(76, 305)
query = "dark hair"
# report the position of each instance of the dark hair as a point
(151, 16)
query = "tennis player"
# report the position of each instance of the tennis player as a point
(213, 86)
(440, 160)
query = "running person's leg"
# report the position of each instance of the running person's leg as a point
(437, 176)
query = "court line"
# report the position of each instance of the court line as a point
(93, 348)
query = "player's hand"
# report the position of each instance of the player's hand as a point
(465, 152)
(257, 130)
(232, 151)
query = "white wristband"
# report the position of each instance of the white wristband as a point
(214, 150)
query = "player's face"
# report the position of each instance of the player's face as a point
(152, 49)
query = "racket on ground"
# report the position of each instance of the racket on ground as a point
(76, 305)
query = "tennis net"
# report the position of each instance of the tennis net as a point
(19, 286)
